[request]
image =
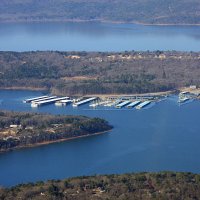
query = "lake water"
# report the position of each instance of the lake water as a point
(162, 137)
(97, 37)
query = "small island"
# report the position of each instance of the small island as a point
(19, 130)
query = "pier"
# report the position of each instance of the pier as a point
(84, 102)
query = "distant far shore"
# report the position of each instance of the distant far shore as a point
(97, 21)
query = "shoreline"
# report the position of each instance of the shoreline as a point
(141, 94)
(54, 141)
(23, 88)
(98, 95)
(96, 21)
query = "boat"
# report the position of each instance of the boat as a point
(183, 99)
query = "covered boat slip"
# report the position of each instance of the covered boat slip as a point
(44, 99)
(34, 99)
(133, 104)
(143, 104)
(84, 101)
(122, 104)
(43, 102)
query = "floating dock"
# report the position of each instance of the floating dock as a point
(33, 99)
(118, 101)
(63, 102)
(97, 104)
(107, 103)
(83, 102)
(93, 105)
(133, 104)
(121, 105)
(110, 103)
(143, 104)
(49, 101)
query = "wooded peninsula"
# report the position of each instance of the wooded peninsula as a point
(145, 186)
(18, 130)
(82, 73)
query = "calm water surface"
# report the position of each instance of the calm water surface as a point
(97, 37)
(163, 137)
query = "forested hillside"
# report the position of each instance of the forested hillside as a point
(141, 186)
(81, 73)
(134, 11)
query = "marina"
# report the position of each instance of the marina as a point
(117, 101)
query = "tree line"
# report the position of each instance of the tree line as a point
(146, 186)
(80, 73)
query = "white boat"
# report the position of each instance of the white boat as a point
(182, 99)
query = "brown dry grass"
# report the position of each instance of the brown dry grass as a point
(79, 78)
